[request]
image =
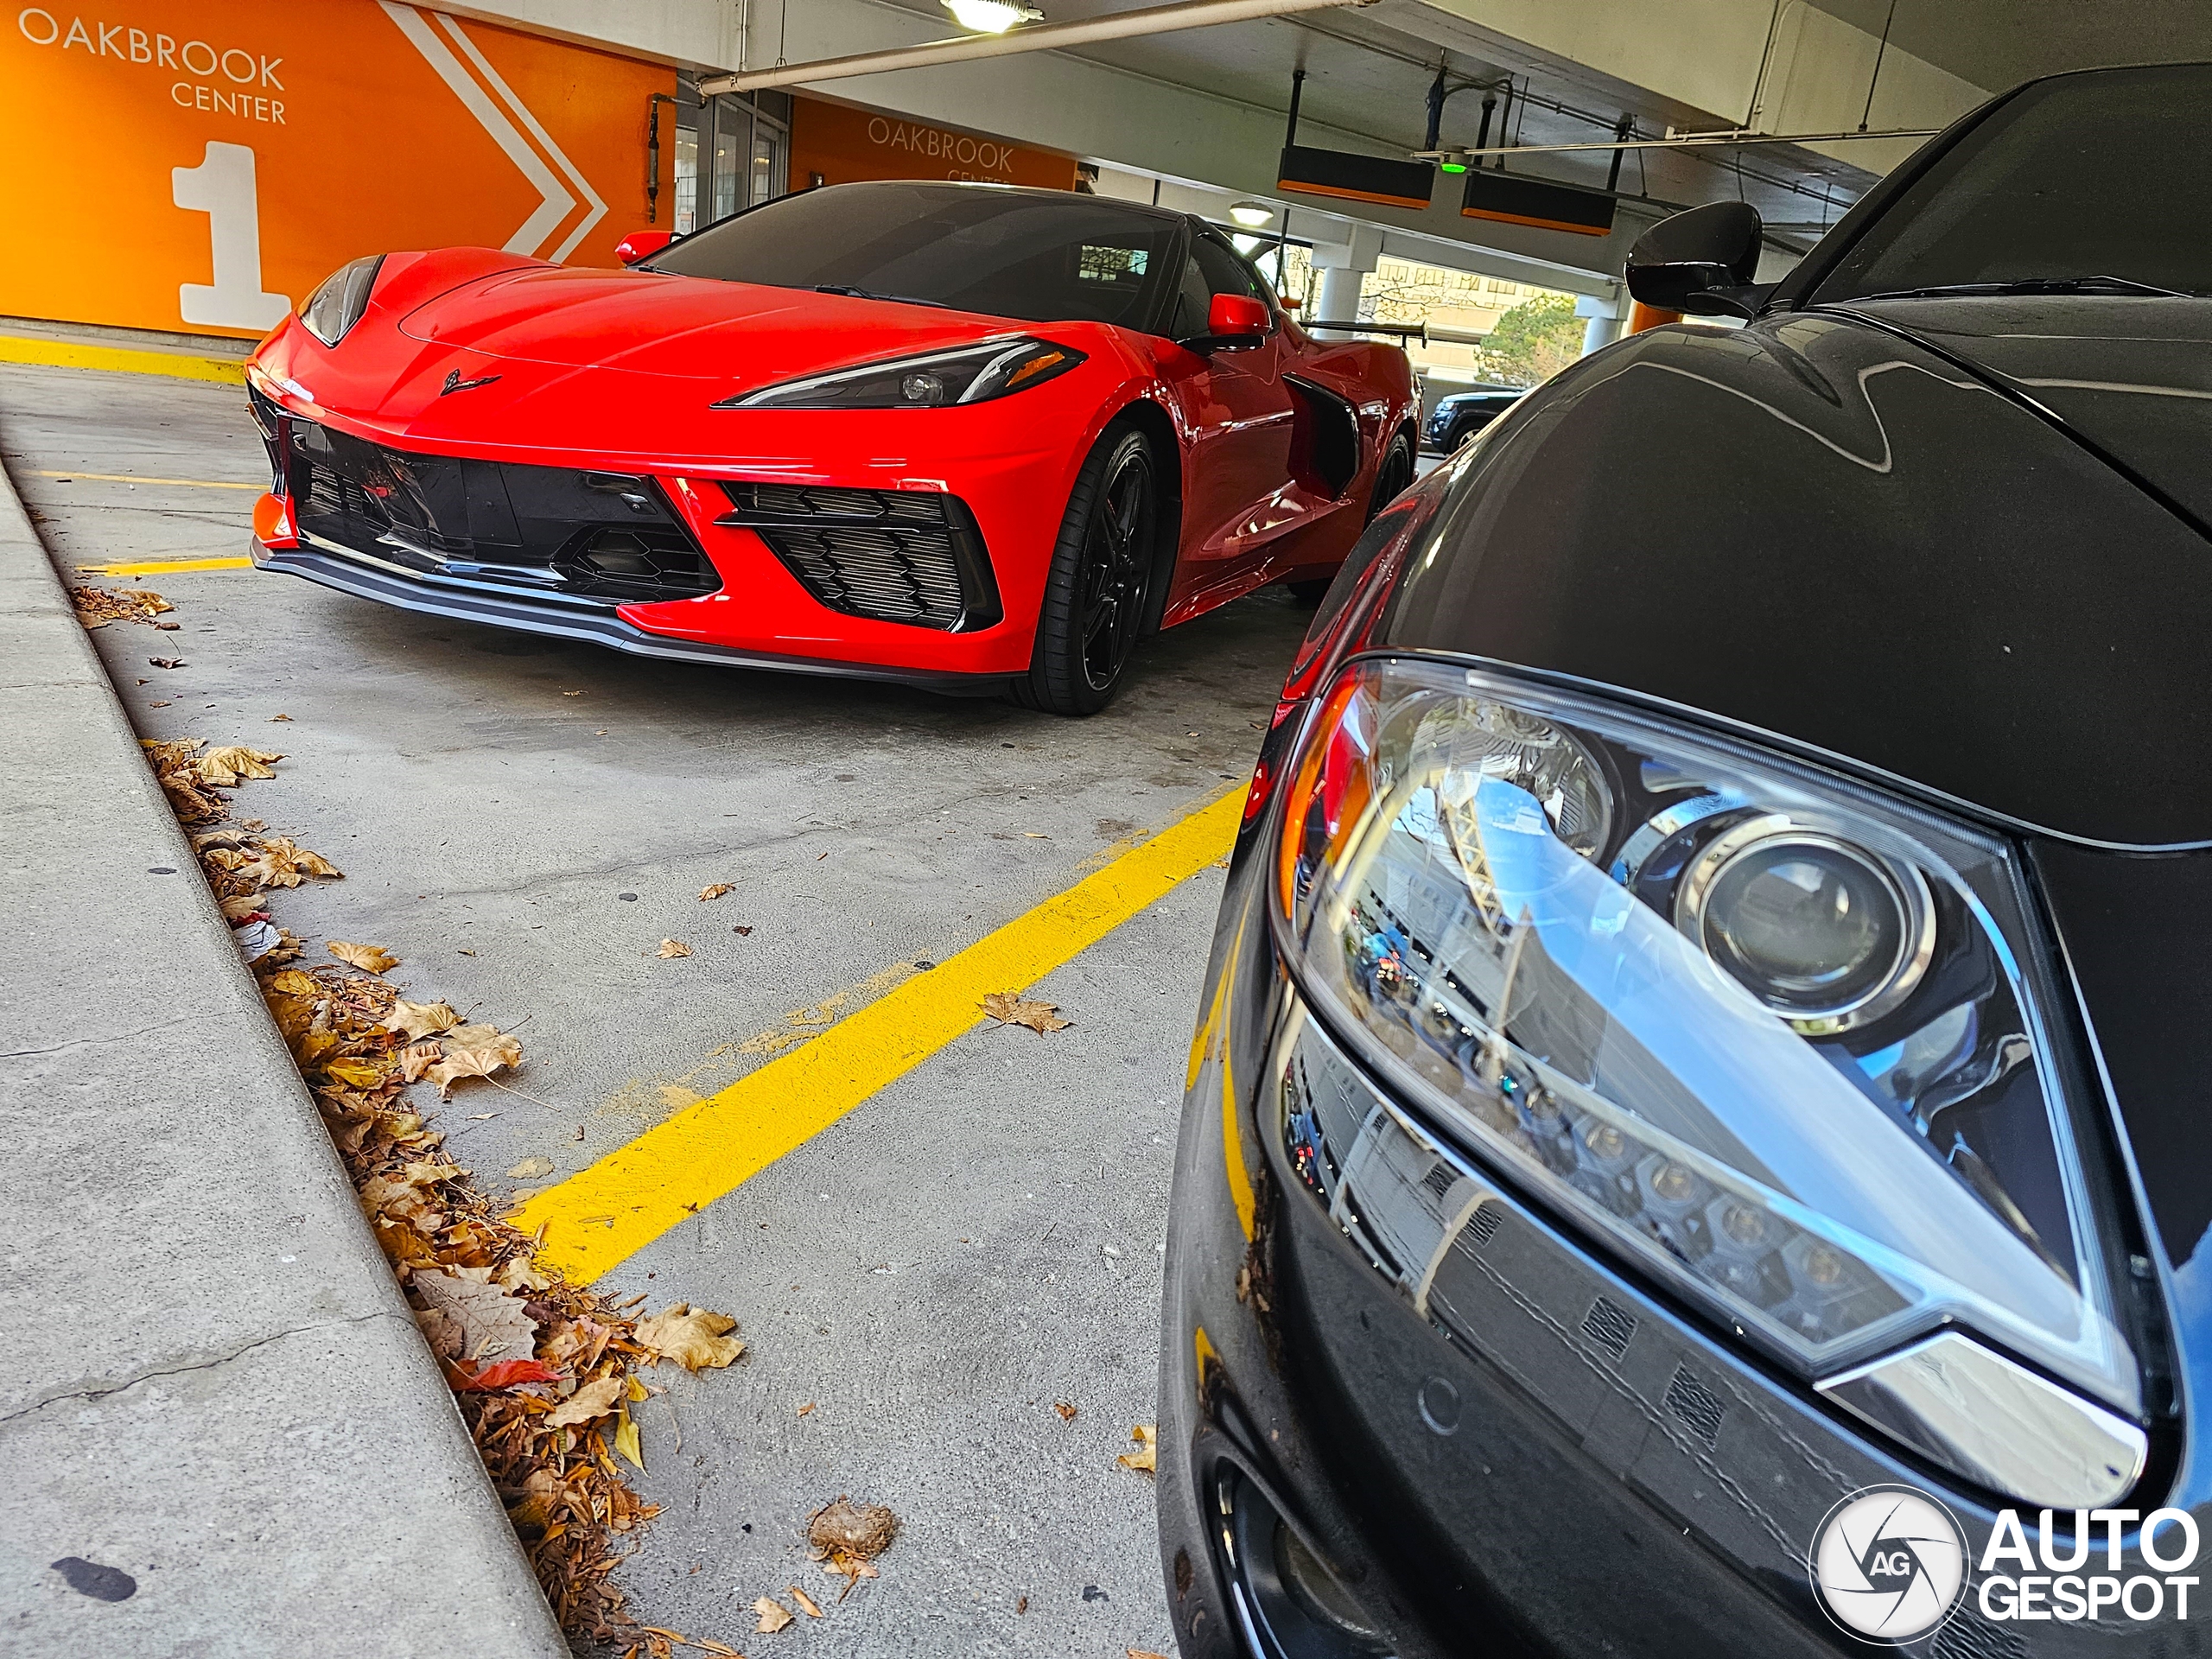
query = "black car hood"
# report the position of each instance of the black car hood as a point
(2133, 377)
(1822, 531)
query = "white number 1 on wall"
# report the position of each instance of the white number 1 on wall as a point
(222, 187)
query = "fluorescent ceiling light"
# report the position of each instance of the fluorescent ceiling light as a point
(991, 17)
(1252, 214)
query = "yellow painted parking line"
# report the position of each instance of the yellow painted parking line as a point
(135, 478)
(162, 567)
(124, 359)
(602, 1216)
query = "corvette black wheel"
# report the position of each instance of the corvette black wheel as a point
(1101, 576)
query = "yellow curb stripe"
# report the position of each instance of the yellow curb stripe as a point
(123, 360)
(161, 567)
(602, 1216)
(135, 478)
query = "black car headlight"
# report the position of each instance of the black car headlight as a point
(332, 309)
(972, 374)
(1777, 1039)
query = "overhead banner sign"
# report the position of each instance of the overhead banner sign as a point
(1517, 198)
(201, 165)
(835, 143)
(1350, 177)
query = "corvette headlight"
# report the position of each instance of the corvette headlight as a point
(334, 308)
(1774, 1037)
(973, 374)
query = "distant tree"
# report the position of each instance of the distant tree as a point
(1535, 340)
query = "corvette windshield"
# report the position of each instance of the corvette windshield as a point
(1004, 253)
(2084, 183)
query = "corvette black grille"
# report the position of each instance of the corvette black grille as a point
(552, 531)
(895, 556)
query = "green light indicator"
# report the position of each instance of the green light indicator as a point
(1453, 167)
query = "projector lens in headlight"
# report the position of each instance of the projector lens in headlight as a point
(1772, 1036)
(1826, 934)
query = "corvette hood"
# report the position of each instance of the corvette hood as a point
(690, 327)
(1825, 531)
(2132, 376)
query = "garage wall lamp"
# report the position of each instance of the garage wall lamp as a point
(991, 17)
(1251, 215)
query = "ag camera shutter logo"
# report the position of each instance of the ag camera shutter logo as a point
(1888, 1564)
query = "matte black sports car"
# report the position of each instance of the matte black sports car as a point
(1697, 1141)
(1464, 414)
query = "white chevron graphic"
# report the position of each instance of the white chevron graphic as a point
(497, 119)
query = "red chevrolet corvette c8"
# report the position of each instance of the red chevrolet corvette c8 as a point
(966, 436)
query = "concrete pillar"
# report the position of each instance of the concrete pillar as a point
(1601, 316)
(1342, 264)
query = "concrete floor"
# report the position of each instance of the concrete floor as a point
(932, 1273)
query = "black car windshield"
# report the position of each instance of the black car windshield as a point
(1005, 254)
(2092, 182)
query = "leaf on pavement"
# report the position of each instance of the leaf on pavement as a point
(1009, 1009)
(472, 1052)
(419, 1020)
(355, 1074)
(443, 1334)
(807, 1603)
(773, 1615)
(1145, 1458)
(1145, 1653)
(493, 1321)
(233, 761)
(671, 947)
(530, 1169)
(281, 861)
(417, 1058)
(714, 890)
(507, 1373)
(625, 1441)
(588, 1404)
(369, 958)
(1066, 1411)
(694, 1337)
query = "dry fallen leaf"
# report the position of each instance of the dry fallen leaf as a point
(1145, 1653)
(226, 765)
(442, 1332)
(1066, 1411)
(419, 1020)
(1009, 1009)
(693, 1338)
(369, 958)
(417, 1057)
(493, 1321)
(714, 890)
(531, 1167)
(474, 1051)
(1146, 1458)
(805, 1408)
(671, 947)
(588, 1404)
(281, 861)
(625, 1441)
(807, 1603)
(773, 1616)
(165, 662)
(275, 717)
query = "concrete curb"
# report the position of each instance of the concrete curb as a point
(211, 1381)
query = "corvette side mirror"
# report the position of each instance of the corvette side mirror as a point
(1234, 323)
(1702, 263)
(640, 246)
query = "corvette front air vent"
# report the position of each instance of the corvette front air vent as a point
(896, 556)
(553, 532)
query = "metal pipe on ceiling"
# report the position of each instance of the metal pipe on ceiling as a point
(1121, 26)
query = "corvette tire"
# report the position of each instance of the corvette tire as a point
(1101, 576)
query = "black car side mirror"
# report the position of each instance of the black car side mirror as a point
(1700, 262)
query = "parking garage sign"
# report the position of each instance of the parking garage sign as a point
(245, 149)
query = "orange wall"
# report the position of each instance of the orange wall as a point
(201, 165)
(844, 144)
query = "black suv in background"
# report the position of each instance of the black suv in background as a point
(1464, 414)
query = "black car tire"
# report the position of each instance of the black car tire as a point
(1100, 577)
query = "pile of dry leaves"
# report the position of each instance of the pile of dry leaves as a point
(546, 1372)
(96, 608)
